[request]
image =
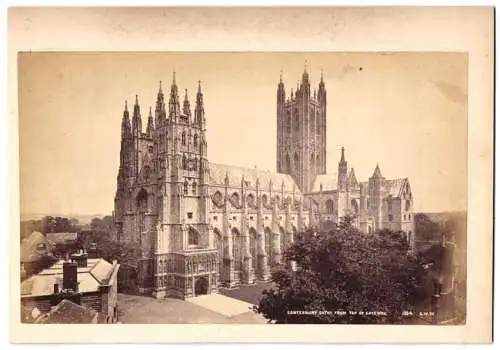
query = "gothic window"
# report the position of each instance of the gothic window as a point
(329, 206)
(142, 204)
(184, 162)
(183, 139)
(235, 199)
(288, 168)
(389, 204)
(312, 121)
(296, 120)
(150, 149)
(317, 162)
(147, 173)
(407, 205)
(195, 141)
(354, 206)
(288, 122)
(264, 199)
(185, 187)
(194, 187)
(296, 163)
(250, 200)
(312, 161)
(409, 216)
(390, 217)
(193, 237)
(195, 164)
(217, 198)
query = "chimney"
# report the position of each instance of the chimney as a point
(80, 258)
(70, 276)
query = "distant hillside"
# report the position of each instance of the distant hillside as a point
(82, 218)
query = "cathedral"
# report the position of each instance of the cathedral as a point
(201, 225)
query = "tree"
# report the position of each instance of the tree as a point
(426, 228)
(343, 276)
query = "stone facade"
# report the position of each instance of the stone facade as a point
(202, 225)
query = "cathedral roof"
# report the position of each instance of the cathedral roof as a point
(235, 174)
(328, 181)
(395, 187)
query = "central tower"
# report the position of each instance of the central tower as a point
(301, 132)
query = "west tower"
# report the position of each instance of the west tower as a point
(301, 132)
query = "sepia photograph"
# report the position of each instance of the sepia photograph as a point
(243, 187)
(344, 227)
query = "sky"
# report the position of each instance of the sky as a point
(405, 111)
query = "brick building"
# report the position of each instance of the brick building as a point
(90, 283)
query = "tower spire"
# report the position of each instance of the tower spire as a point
(136, 119)
(342, 172)
(199, 112)
(186, 108)
(173, 104)
(150, 126)
(377, 172)
(126, 123)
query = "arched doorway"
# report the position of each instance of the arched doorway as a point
(200, 286)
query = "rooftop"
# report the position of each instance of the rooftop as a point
(90, 278)
(68, 312)
(235, 174)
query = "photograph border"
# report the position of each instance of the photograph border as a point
(466, 29)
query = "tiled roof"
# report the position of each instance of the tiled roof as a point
(235, 174)
(97, 273)
(68, 312)
(395, 187)
(328, 181)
